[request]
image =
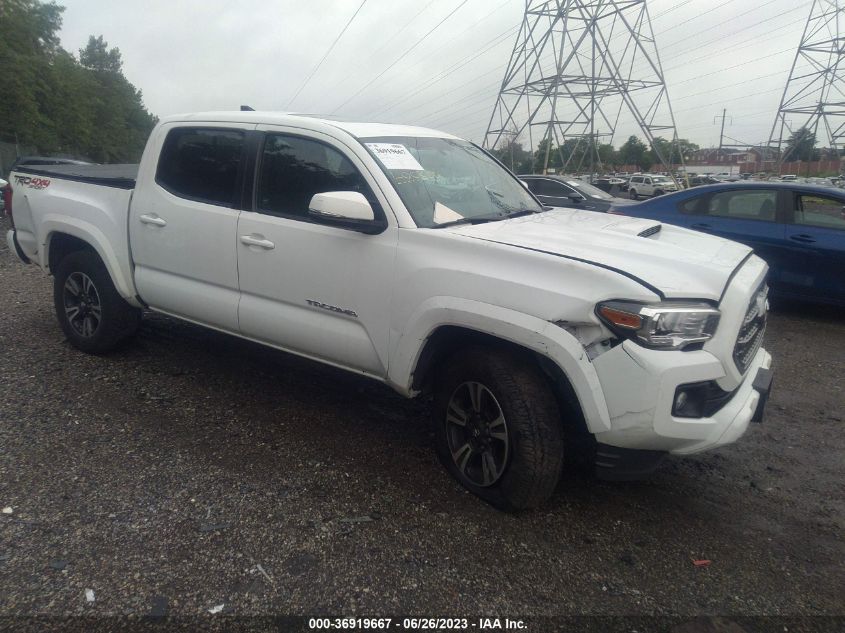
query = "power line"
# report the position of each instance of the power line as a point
(698, 17)
(434, 51)
(461, 114)
(455, 67)
(733, 85)
(702, 45)
(385, 44)
(682, 64)
(745, 28)
(401, 57)
(432, 79)
(320, 63)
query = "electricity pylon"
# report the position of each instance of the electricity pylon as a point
(576, 66)
(813, 96)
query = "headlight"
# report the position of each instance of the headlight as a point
(668, 325)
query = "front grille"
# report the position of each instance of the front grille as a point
(750, 336)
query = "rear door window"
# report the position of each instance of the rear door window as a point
(820, 211)
(748, 204)
(550, 188)
(202, 164)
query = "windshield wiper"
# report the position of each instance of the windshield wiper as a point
(479, 220)
(516, 214)
(483, 219)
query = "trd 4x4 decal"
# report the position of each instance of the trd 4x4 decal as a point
(33, 183)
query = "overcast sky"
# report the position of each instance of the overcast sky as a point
(196, 55)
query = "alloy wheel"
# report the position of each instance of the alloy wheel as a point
(477, 434)
(82, 304)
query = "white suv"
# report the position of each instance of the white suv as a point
(641, 185)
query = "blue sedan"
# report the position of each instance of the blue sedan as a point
(798, 229)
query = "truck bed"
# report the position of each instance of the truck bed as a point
(118, 176)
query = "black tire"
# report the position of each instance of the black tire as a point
(533, 461)
(659, 192)
(633, 194)
(106, 318)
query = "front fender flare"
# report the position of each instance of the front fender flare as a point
(530, 332)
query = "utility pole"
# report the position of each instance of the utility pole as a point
(722, 133)
(605, 62)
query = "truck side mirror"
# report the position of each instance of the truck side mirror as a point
(347, 209)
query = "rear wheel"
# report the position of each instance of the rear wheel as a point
(498, 427)
(93, 316)
(659, 192)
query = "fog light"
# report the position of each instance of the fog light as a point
(689, 400)
(699, 399)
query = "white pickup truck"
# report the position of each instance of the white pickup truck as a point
(411, 256)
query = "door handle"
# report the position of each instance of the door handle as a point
(803, 238)
(700, 227)
(251, 240)
(153, 219)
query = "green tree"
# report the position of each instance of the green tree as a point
(608, 155)
(49, 99)
(540, 157)
(635, 152)
(514, 156)
(575, 154)
(801, 146)
(97, 56)
(28, 44)
(687, 149)
(672, 152)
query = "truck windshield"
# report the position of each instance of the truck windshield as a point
(444, 181)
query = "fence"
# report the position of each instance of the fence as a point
(798, 167)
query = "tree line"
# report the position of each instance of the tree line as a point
(578, 154)
(581, 154)
(63, 104)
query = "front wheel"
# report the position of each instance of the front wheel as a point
(498, 427)
(633, 194)
(91, 313)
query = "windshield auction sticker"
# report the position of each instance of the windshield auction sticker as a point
(395, 156)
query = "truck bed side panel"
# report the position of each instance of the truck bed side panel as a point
(96, 214)
(122, 176)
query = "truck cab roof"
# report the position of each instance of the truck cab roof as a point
(358, 129)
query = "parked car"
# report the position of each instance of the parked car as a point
(607, 183)
(414, 258)
(798, 229)
(558, 191)
(697, 181)
(647, 185)
(3, 186)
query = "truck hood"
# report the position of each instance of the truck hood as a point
(674, 262)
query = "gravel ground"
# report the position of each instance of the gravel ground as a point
(191, 470)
